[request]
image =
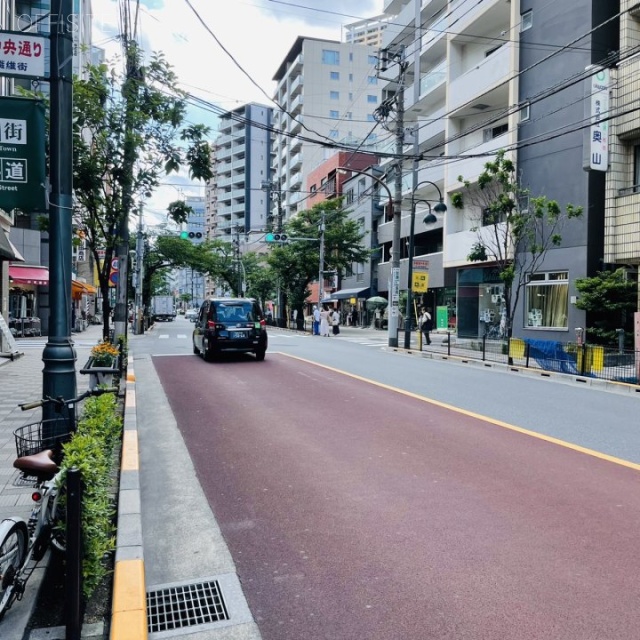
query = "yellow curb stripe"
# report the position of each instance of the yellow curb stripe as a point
(129, 619)
(129, 451)
(499, 423)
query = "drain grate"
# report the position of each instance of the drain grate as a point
(185, 606)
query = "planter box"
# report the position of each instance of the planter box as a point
(100, 375)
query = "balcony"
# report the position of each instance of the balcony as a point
(296, 104)
(489, 73)
(432, 89)
(295, 162)
(295, 181)
(296, 86)
(296, 125)
(470, 169)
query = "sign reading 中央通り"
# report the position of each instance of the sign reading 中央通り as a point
(22, 168)
(21, 55)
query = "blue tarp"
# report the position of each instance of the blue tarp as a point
(550, 355)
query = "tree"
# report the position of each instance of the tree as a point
(610, 299)
(514, 230)
(117, 117)
(296, 264)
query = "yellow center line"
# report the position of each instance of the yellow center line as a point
(472, 414)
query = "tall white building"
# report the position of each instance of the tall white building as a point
(327, 91)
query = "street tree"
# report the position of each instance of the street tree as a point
(296, 264)
(610, 299)
(117, 117)
(514, 230)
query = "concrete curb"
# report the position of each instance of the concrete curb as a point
(129, 608)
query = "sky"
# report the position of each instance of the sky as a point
(257, 35)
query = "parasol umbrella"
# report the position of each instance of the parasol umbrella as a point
(376, 301)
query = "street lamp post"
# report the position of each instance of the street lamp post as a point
(440, 207)
(392, 340)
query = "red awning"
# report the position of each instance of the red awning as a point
(22, 274)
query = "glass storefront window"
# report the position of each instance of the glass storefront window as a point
(547, 300)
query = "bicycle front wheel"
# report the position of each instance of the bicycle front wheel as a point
(14, 541)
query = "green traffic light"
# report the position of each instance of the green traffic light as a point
(270, 237)
(184, 235)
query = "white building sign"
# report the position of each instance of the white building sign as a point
(597, 145)
(21, 55)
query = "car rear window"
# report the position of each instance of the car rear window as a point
(235, 311)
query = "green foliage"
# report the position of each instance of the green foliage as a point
(91, 451)
(610, 299)
(297, 264)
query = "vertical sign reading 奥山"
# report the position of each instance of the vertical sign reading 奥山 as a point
(22, 166)
(596, 147)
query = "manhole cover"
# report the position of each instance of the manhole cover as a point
(185, 605)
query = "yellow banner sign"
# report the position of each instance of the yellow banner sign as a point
(420, 282)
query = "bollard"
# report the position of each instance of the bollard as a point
(73, 582)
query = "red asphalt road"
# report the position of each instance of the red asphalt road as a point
(355, 512)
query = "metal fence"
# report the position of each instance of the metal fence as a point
(587, 360)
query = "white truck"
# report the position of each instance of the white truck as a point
(162, 308)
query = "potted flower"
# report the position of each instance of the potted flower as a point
(102, 364)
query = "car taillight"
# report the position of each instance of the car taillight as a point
(211, 324)
(263, 323)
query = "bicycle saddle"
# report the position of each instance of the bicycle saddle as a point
(39, 464)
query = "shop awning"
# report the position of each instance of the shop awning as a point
(24, 274)
(344, 294)
(7, 250)
(78, 289)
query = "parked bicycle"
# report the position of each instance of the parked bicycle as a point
(39, 447)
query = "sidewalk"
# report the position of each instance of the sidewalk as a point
(21, 381)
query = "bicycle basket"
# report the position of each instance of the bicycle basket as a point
(39, 436)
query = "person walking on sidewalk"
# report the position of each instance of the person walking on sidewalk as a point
(324, 321)
(426, 325)
(316, 320)
(335, 322)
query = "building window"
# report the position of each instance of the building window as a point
(526, 21)
(372, 60)
(372, 99)
(334, 95)
(348, 115)
(494, 132)
(636, 168)
(334, 114)
(350, 57)
(372, 80)
(547, 300)
(334, 75)
(312, 188)
(348, 197)
(488, 52)
(351, 77)
(370, 117)
(330, 57)
(525, 112)
(334, 133)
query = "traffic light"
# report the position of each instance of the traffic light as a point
(190, 235)
(276, 237)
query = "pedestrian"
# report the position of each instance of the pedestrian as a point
(316, 320)
(354, 317)
(426, 324)
(335, 322)
(324, 321)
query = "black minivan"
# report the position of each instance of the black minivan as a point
(230, 324)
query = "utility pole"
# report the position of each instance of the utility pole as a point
(321, 269)
(397, 202)
(59, 356)
(139, 273)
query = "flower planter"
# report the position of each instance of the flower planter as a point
(100, 374)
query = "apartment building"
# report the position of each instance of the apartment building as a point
(368, 32)
(188, 281)
(476, 82)
(327, 91)
(622, 228)
(242, 164)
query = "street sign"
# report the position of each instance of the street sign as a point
(420, 282)
(22, 54)
(22, 151)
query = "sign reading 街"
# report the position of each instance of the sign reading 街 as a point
(596, 147)
(22, 54)
(22, 167)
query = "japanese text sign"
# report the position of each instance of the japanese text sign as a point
(21, 55)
